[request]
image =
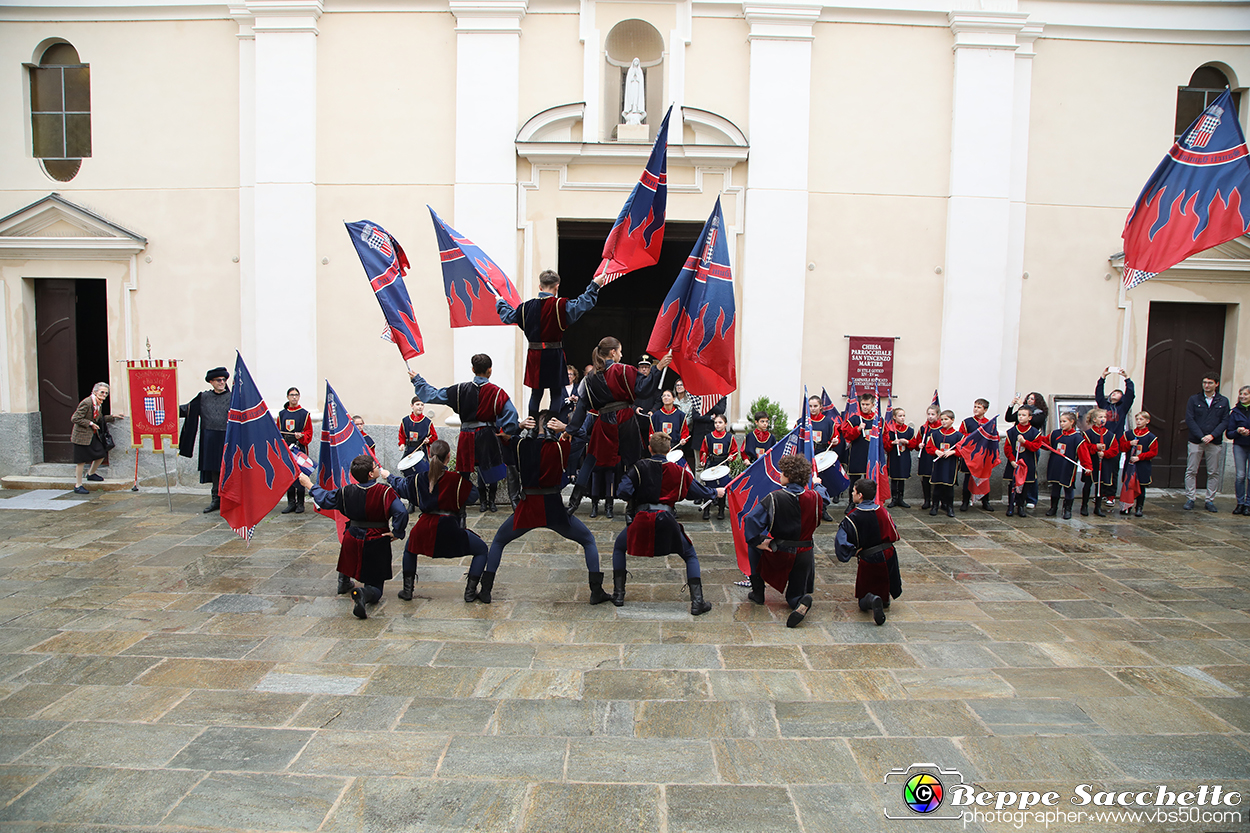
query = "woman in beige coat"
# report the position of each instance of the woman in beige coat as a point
(85, 435)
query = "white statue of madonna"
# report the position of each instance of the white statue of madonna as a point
(635, 104)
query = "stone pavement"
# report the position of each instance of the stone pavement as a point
(157, 673)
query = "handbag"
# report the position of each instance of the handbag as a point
(106, 438)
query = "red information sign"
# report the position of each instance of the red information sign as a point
(153, 401)
(871, 367)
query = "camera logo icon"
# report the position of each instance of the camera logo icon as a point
(920, 790)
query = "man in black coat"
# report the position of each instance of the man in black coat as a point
(1206, 416)
(205, 416)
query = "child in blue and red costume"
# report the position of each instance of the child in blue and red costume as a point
(968, 427)
(441, 496)
(901, 439)
(651, 488)
(360, 426)
(416, 430)
(779, 532)
(375, 517)
(940, 445)
(855, 430)
(544, 320)
(295, 425)
(1068, 452)
(1142, 446)
(719, 447)
(542, 457)
(669, 419)
(1021, 445)
(759, 440)
(868, 533)
(1104, 461)
(488, 419)
(924, 465)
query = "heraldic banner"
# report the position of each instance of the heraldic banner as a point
(153, 401)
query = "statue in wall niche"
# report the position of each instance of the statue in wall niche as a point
(634, 108)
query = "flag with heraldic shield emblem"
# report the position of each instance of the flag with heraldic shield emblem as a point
(385, 264)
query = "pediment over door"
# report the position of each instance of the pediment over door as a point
(1227, 262)
(55, 228)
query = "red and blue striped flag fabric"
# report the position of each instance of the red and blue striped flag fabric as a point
(385, 264)
(979, 451)
(471, 279)
(878, 467)
(638, 235)
(256, 467)
(1195, 199)
(747, 489)
(1130, 485)
(341, 443)
(696, 320)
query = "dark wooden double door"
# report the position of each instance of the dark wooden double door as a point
(71, 344)
(1183, 342)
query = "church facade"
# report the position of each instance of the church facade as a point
(949, 175)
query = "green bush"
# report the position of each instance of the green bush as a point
(776, 416)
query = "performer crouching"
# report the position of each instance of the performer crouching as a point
(441, 495)
(365, 554)
(868, 533)
(651, 487)
(541, 462)
(779, 531)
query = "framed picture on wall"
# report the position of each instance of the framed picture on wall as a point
(1080, 405)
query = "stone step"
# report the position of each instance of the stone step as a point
(64, 482)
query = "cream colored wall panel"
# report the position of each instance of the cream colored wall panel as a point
(718, 68)
(367, 372)
(164, 102)
(551, 63)
(881, 109)
(1104, 115)
(863, 285)
(386, 98)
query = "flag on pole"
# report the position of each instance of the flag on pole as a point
(471, 279)
(341, 443)
(804, 424)
(305, 463)
(979, 451)
(697, 318)
(256, 468)
(385, 264)
(1195, 199)
(829, 409)
(936, 403)
(878, 465)
(749, 488)
(852, 404)
(1130, 485)
(637, 236)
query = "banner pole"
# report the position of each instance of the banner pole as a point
(165, 468)
(135, 487)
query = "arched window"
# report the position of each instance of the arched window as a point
(628, 40)
(1205, 85)
(60, 111)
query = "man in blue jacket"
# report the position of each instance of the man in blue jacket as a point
(1206, 416)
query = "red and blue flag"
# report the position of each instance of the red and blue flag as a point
(256, 468)
(979, 451)
(878, 466)
(1130, 485)
(1194, 200)
(829, 409)
(935, 403)
(471, 279)
(385, 266)
(697, 318)
(637, 236)
(748, 489)
(341, 442)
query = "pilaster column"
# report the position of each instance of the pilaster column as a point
(247, 180)
(488, 50)
(284, 223)
(773, 271)
(975, 312)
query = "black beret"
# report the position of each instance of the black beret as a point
(216, 373)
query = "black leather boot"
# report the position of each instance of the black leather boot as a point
(800, 611)
(707, 511)
(594, 507)
(410, 582)
(1011, 508)
(1141, 503)
(985, 504)
(470, 588)
(757, 590)
(491, 491)
(618, 588)
(865, 602)
(345, 584)
(1098, 508)
(933, 508)
(290, 503)
(697, 605)
(596, 589)
(1084, 506)
(1054, 508)
(926, 488)
(575, 499)
(1067, 510)
(488, 584)
(482, 490)
(607, 507)
(358, 603)
(514, 487)
(213, 505)
(950, 510)
(720, 509)
(299, 503)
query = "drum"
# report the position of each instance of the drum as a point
(714, 473)
(825, 459)
(674, 456)
(411, 460)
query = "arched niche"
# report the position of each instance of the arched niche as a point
(627, 40)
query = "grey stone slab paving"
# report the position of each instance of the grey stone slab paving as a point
(384, 805)
(111, 745)
(504, 757)
(242, 749)
(730, 809)
(258, 801)
(124, 797)
(641, 760)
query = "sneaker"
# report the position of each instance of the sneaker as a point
(81, 490)
(95, 478)
(1189, 504)
(1210, 507)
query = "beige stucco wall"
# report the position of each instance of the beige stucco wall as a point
(551, 63)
